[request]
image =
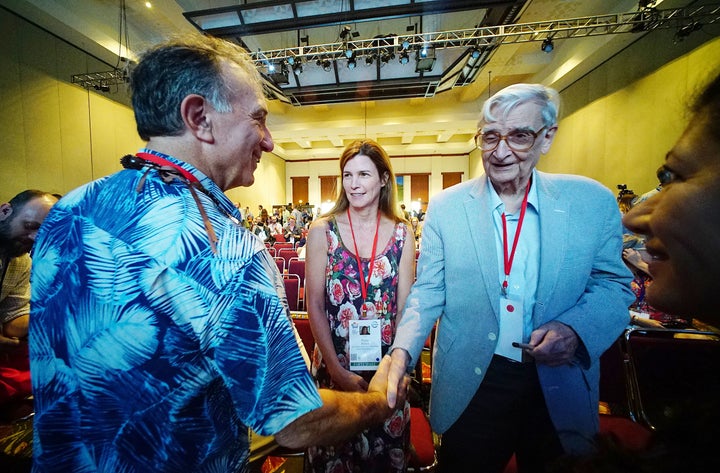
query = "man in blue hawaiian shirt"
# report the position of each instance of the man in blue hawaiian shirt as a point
(159, 327)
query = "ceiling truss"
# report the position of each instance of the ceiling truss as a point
(633, 22)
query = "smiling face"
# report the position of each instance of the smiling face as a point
(682, 224)
(509, 169)
(362, 182)
(241, 135)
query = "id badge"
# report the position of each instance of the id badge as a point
(511, 328)
(365, 344)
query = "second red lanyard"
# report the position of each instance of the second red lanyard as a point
(508, 259)
(363, 283)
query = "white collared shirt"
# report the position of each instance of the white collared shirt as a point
(523, 279)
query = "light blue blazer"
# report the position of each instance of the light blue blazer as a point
(583, 283)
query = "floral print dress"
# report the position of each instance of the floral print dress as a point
(384, 448)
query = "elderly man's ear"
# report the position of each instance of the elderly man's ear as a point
(548, 138)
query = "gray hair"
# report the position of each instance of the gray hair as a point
(503, 102)
(169, 72)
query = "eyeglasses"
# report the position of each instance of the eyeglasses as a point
(517, 140)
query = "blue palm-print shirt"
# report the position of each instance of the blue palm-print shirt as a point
(149, 352)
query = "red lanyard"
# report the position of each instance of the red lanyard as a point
(164, 162)
(212, 237)
(509, 259)
(364, 284)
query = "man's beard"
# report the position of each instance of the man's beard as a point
(12, 247)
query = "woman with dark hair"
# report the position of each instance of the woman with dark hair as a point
(359, 269)
(681, 223)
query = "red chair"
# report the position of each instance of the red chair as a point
(423, 457)
(272, 251)
(292, 290)
(280, 264)
(287, 253)
(297, 266)
(279, 245)
(302, 324)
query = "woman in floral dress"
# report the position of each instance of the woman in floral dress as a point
(359, 269)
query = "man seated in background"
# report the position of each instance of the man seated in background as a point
(20, 219)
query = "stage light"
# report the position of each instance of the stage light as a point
(387, 55)
(351, 63)
(425, 58)
(325, 64)
(404, 57)
(547, 45)
(475, 53)
(278, 72)
(370, 59)
(347, 32)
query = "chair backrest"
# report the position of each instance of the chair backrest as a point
(422, 457)
(615, 383)
(272, 251)
(673, 372)
(287, 253)
(303, 327)
(297, 266)
(279, 245)
(292, 290)
(280, 262)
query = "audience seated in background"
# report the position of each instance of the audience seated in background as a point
(274, 227)
(291, 231)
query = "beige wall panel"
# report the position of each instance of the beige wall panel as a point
(559, 159)
(269, 187)
(40, 108)
(654, 117)
(37, 49)
(703, 62)
(588, 150)
(70, 61)
(113, 135)
(41, 117)
(13, 168)
(75, 137)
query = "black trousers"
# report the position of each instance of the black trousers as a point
(507, 415)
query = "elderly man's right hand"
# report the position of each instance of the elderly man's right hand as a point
(386, 380)
(397, 378)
